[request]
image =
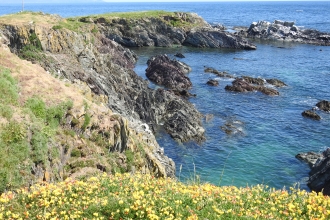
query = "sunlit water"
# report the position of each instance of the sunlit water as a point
(270, 130)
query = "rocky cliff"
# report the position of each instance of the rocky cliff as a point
(107, 128)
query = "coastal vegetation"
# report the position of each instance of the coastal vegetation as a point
(126, 196)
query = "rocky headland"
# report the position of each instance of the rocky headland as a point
(284, 31)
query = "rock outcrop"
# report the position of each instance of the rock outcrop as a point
(285, 31)
(164, 31)
(169, 73)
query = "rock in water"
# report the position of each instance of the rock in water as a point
(212, 82)
(180, 55)
(324, 105)
(311, 114)
(169, 73)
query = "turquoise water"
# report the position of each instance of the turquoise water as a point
(271, 130)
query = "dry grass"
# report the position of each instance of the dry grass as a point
(22, 18)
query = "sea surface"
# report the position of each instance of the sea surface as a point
(269, 131)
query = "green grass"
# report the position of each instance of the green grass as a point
(8, 88)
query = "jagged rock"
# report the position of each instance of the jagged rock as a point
(285, 31)
(251, 80)
(276, 82)
(324, 105)
(213, 82)
(169, 73)
(240, 85)
(311, 114)
(319, 176)
(180, 55)
(216, 39)
(310, 158)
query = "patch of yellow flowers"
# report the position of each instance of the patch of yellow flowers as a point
(125, 196)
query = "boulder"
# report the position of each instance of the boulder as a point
(324, 105)
(319, 176)
(169, 73)
(251, 80)
(311, 114)
(213, 82)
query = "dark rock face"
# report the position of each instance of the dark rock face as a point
(285, 31)
(310, 158)
(324, 105)
(182, 93)
(319, 176)
(213, 82)
(240, 85)
(216, 39)
(311, 114)
(169, 73)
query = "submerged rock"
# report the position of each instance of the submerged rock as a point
(218, 73)
(169, 73)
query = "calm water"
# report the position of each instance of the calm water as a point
(271, 129)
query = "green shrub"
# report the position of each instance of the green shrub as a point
(8, 87)
(57, 27)
(6, 111)
(12, 133)
(37, 106)
(87, 120)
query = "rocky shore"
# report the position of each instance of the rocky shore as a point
(284, 31)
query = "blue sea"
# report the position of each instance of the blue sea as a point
(270, 131)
